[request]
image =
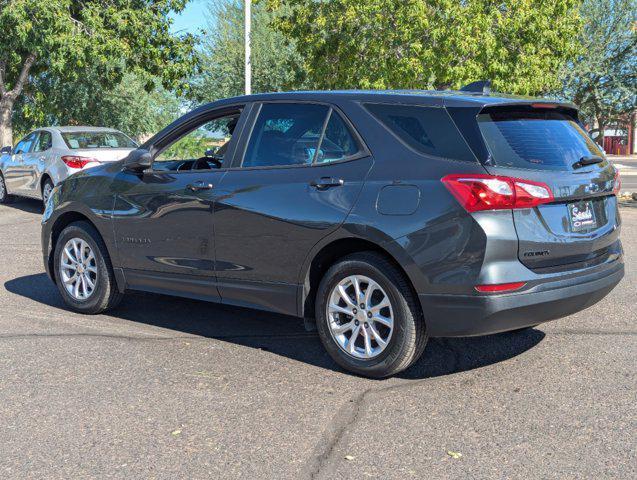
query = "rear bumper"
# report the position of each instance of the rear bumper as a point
(467, 315)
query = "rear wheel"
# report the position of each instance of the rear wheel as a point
(4, 195)
(368, 318)
(47, 188)
(83, 270)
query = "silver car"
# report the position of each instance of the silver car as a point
(47, 156)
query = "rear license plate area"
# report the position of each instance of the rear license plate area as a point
(581, 216)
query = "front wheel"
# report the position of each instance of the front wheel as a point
(83, 271)
(367, 316)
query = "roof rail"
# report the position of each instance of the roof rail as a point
(481, 86)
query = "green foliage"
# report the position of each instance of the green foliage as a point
(275, 62)
(603, 78)
(519, 44)
(66, 36)
(126, 106)
(93, 45)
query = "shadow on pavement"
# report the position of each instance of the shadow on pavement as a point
(28, 205)
(281, 334)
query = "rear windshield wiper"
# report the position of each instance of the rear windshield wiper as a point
(590, 160)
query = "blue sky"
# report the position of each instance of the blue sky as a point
(192, 19)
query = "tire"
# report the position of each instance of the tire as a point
(408, 336)
(4, 195)
(105, 294)
(47, 186)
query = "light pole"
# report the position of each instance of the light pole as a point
(247, 31)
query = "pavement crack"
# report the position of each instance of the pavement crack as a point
(348, 416)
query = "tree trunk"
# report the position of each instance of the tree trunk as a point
(6, 127)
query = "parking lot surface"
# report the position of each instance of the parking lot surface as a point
(171, 388)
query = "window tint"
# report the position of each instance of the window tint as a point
(43, 142)
(428, 130)
(203, 148)
(537, 139)
(337, 143)
(81, 140)
(24, 146)
(285, 134)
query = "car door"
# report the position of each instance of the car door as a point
(163, 218)
(35, 162)
(296, 179)
(16, 174)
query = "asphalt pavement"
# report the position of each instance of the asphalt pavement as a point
(170, 388)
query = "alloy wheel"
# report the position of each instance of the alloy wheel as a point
(78, 269)
(360, 317)
(46, 192)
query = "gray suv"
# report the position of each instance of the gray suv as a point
(47, 156)
(385, 217)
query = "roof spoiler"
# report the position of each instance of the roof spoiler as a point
(481, 86)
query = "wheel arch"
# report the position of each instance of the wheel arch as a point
(63, 221)
(45, 176)
(330, 254)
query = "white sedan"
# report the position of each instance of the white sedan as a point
(47, 156)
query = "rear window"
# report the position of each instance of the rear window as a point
(428, 130)
(535, 139)
(82, 140)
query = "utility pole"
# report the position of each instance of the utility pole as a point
(247, 33)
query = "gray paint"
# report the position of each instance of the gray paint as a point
(250, 240)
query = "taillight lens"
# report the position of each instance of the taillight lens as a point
(500, 287)
(617, 185)
(491, 192)
(74, 161)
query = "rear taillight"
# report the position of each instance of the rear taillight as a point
(73, 161)
(500, 287)
(617, 184)
(491, 192)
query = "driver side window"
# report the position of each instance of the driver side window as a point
(203, 148)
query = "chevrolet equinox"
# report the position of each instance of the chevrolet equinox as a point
(387, 217)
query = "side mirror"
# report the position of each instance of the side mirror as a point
(138, 161)
(211, 151)
(6, 150)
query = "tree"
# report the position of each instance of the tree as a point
(275, 61)
(519, 45)
(63, 37)
(602, 80)
(126, 106)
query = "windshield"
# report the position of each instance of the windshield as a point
(86, 140)
(536, 139)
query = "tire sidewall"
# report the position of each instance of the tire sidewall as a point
(47, 182)
(4, 195)
(101, 291)
(383, 363)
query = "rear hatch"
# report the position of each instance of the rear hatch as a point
(546, 143)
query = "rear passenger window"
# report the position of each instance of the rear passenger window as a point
(285, 134)
(43, 143)
(337, 143)
(298, 134)
(428, 130)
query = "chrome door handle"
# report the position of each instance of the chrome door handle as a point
(324, 183)
(197, 186)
